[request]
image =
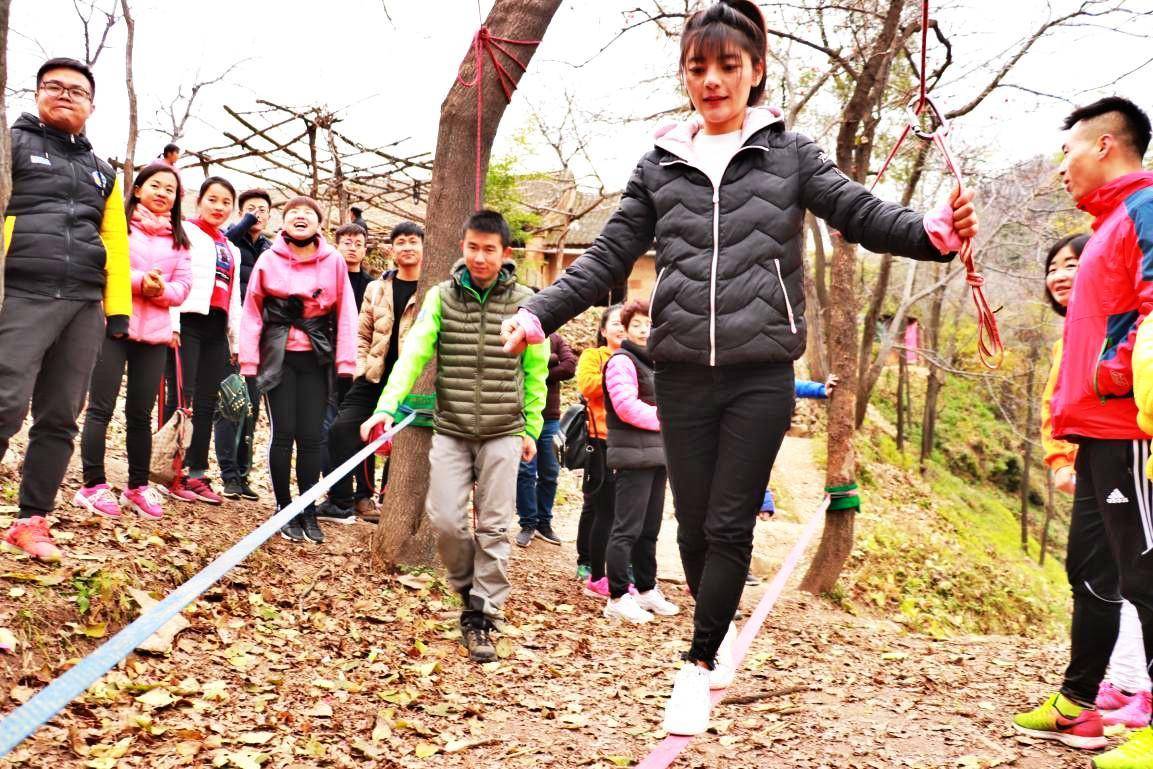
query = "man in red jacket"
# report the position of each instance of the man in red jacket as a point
(1110, 551)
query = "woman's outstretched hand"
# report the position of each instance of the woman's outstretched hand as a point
(513, 336)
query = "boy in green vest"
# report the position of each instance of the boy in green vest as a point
(488, 418)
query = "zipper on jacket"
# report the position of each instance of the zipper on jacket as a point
(653, 296)
(713, 274)
(68, 230)
(785, 291)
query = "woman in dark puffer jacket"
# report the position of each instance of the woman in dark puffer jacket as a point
(723, 196)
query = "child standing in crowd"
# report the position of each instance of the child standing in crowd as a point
(724, 195)
(204, 331)
(598, 486)
(386, 315)
(161, 278)
(234, 440)
(637, 456)
(488, 417)
(299, 331)
(536, 480)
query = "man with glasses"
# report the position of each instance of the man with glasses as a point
(234, 439)
(67, 282)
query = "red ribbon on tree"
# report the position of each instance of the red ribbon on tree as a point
(484, 43)
(989, 346)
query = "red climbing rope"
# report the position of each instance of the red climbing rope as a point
(989, 346)
(483, 42)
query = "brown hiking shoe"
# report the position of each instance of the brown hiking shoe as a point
(476, 640)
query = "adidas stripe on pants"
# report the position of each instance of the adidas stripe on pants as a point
(1110, 556)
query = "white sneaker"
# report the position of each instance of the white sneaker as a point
(722, 674)
(626, 608)
(654, 601)
(687, 711)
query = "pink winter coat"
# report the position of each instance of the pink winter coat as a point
(150, 248)
(322, 282)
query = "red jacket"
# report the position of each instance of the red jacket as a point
(1112, 294)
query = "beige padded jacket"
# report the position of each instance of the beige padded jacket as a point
(375, 328)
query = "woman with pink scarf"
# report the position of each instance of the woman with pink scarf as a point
(161, 278)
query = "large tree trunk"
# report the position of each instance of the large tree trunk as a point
(130, 151)
(5, 158)
(403, 535)
(1048, 517)
(816, 305)
(1031, 429)
(854, 147)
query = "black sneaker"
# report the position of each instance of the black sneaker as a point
(525, 536)
(311, 528)
(292, 530)
(247, 492)
(232, 490)
(477, 641)
(546, 533)
(329, 511)
(751, 580)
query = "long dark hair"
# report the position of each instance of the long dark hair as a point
(1077, 242)
(601, 340)
(179, 239)
(724, 26)
(216, 180)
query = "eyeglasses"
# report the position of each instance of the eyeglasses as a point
(256, 209)
(56, 88)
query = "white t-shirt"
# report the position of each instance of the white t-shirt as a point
(714, 152)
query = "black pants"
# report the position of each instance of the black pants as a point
(640, 503)
(234, 440)
(1110, 557)
(296, 413)
(47, 350)
(722, 428)
(145, 364)
(204, 359)
(344, 441)
(327, 460)
(596, 521)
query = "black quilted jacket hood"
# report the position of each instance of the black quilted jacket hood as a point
(730, 267)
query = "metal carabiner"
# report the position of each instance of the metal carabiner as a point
(915, 109)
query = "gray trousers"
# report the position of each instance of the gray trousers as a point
(473, 542)
(48, 348)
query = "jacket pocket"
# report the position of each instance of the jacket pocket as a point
(785, 293)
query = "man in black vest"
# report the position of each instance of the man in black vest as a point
(67, 268)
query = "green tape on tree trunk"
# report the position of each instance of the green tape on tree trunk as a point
(843, 497)
(423, 405)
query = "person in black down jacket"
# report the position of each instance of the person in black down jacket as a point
(723, 195)
(67, 283)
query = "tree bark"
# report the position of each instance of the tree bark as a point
(130, 150)
(902, 393)
(1031, 429)
(5, 137)
(403, 535)
(1048, 517)
(853, 148)
(931, 342)
(816, 305)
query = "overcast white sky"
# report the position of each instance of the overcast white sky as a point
(389, 78)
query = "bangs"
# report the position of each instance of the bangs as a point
(714, 41)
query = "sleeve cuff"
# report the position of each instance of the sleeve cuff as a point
(939, 227)
(533, 333)
(117, 326)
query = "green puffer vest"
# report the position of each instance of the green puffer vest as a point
(479, 388)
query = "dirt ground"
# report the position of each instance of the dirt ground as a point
(304, 657)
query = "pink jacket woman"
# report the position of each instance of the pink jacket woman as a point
(150, 248)
(322, 282)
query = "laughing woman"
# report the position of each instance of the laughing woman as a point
(723, 195)
(299, 331)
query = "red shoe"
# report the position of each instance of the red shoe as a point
(202, 490)
(178, 490)
(1109, 697)
(31, 536)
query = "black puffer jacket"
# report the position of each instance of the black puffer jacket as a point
(59, 192)
(250, 248)
(730, 272)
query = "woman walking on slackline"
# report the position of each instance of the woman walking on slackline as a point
(724, 195)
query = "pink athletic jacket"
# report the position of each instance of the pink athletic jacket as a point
(322, 282)
(1112, 294)
(621, 382)
(150, 248)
